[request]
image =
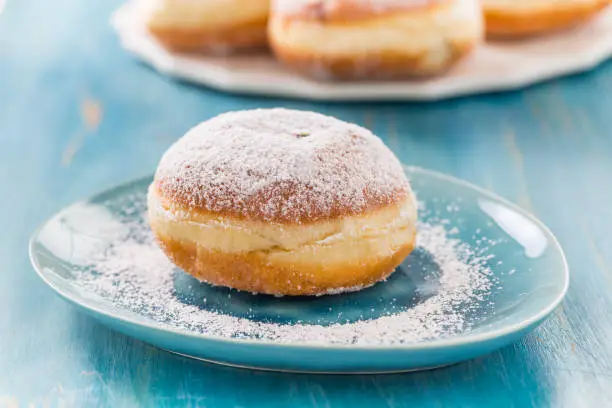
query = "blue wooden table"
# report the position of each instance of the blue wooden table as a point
(78, 115)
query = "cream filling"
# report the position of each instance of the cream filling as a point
(381, 230)
(209, 14)
(410, 32)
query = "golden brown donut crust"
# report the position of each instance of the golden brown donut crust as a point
(241, 36)
(182, 201)
(254, 272)
(510, 24)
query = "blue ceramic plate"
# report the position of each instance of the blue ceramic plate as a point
(505, 275)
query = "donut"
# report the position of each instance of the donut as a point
(214, 26)
(362, 39)
(282, 202)
(524, 18)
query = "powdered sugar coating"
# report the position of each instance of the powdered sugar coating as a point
(282, 166)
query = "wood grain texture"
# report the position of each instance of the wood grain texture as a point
(77, 115)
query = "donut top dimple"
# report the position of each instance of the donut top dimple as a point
(280, 166)
(345, 9)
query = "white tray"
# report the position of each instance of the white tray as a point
(492, 67)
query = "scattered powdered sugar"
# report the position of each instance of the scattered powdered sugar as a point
(280, 165)
(134, 274)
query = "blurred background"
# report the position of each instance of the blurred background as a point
(78, 114)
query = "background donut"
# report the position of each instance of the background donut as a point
(209, 25)
(358, 39)
(523, 18)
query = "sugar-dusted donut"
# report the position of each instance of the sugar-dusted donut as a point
(283, 202)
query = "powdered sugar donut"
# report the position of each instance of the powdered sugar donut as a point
(365, 39)
(283, 202)
(520, 18)
(209, 25)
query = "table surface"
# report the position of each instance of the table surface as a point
(78, 115)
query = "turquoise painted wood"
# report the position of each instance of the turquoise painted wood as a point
(77, 115)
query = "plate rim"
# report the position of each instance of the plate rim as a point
(435, 344)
